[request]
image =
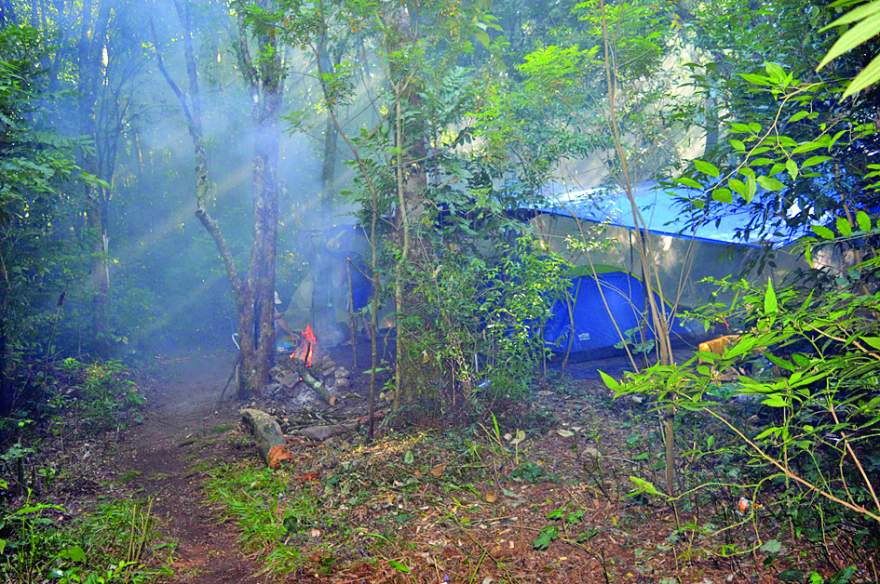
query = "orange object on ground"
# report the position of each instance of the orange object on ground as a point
(719, 345)
(278, 454)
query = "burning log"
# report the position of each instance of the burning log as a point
(318, 387)
(268, 436)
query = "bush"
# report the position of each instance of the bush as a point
(804, 407)
(114, 543)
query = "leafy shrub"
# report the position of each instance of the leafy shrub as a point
(107, 395)
(111, 544)
(478, 329)
(809, 371)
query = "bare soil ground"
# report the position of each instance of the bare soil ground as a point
(178, 433)
(441, 504)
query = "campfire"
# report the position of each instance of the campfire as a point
(308, 373)
(305, 352)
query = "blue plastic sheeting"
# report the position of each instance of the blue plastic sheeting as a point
(660, 208)
(593, 327)
(361, 287)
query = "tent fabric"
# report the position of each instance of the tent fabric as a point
(593, 326)
(661, 209)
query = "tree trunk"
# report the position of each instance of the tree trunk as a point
(261, 279)
(268, 436)
(89, 52)
(100, 277)
(254, 296)
(412, 181)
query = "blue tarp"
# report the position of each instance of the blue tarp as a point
(593, 327)
(662, 211)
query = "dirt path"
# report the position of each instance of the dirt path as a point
(176, 435)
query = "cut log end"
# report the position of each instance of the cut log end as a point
(277, 455)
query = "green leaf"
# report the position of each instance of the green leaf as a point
(755, 79)
(738, 145)
(751, 187)
(610, 382)
(873, 341)
(863, 220)
(771, 546)
(545, 538)
(689, 182)
(707, 168)
(740, 128)
(843, 226)
(75, 554)
(867, 77)
(722, 195)
(557, 513)
(2, 545)
(854, 15)
(738, 186)
(775, 72)
(399, 566)
(770, 183)
(814, 160)
(791, 575)
(776, 169)
(408, 457)
(776, 400)
(806, 147)
(843, 576)
(483, 37)
(771, 305)
(643, 486)
(822, 231)
(798, 116)
(857, 35)
(792, 168)
(771, 431)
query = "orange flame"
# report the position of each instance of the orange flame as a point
(306, 350)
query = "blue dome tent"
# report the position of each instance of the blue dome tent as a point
(589, 326)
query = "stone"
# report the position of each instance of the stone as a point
(341, 372)
(289, 379)
(341, 382)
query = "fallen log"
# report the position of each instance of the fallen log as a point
(267, 436)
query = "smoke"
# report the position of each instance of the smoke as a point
(172, 289)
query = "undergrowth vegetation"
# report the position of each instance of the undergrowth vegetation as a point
(43, 541)
(116, 543)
